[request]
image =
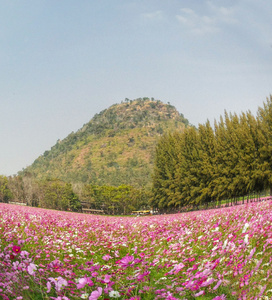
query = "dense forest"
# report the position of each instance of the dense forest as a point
(208, 164)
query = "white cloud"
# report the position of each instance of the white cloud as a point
(188, 11)
(196, 23)
(206, 23)
(155, 15)
(223, 14)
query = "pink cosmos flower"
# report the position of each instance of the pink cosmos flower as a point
(191, 259)
(200, 293)
(59, 283)
(96, 294)
(107, 278)
(217, 285)
(251, 253)
(207, 282)
(127, 261)
(83, 281)
(222, 297)
(48, 284)
(31, 269)
(141, 277)
(177, 268)
(106, 257)
(195, 287)
(246, 278)
(24, 254)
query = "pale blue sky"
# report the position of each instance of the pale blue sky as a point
(63, 61)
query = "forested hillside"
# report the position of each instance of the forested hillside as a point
(116, 147)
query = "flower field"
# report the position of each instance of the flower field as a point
(214, 254)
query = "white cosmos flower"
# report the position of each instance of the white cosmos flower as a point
(114, 294)
(245, 228)
(246, 239)
(225, 244)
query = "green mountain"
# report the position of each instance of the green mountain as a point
(115, 147)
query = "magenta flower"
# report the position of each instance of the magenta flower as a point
(127, 261)
(96, 294)
(191, 259)
(16, 249)
(195, 287)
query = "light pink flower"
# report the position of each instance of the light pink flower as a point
(251, 253)
(217, 285)
(177, 268)
(107, 278)
(106, 257)
(96, 294)
(222, 297)
(24, 254)
(48, 284)
(199, 293)
(83, 281)
(59, 283)
(31, 269)
(207, 282)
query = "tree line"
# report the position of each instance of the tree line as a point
(49, 193)
(208, 164)
(60, 195)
